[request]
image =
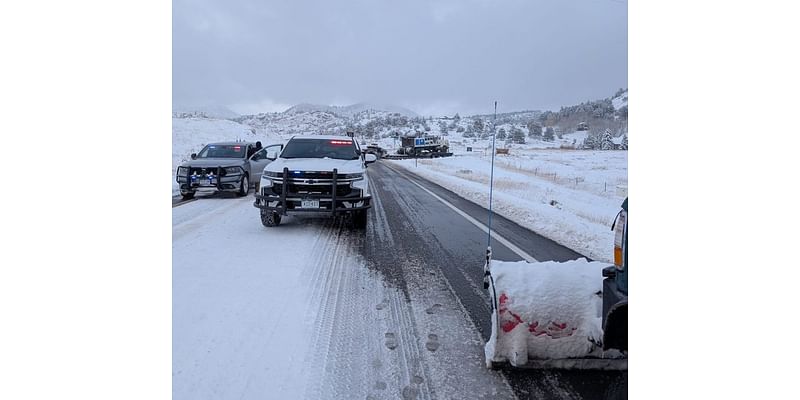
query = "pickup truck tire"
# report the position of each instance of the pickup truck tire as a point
(270, 218)
(244, 187)
(187, 195)
(360, 219)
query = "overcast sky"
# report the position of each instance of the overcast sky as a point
(434, 57)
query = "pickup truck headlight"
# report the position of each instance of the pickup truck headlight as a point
(233, 170)
(359, 184)
(182, 171)
(273, 174)
(356, 176)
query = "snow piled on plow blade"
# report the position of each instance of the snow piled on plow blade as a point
(545, 310)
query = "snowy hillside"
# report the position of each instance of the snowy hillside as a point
(205, 111)
(620, 99)
(351, 110)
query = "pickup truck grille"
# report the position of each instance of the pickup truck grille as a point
(293, 189)
(312, 175)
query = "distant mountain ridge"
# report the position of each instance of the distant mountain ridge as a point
(351, 110)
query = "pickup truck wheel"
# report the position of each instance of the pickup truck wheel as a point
(270, 218)
(244, 187)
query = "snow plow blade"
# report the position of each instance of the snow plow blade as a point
(548, 315)
(600, 364)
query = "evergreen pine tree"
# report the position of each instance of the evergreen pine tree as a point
(517, 135)
(478, 125)
(606, 143)
(534, 129)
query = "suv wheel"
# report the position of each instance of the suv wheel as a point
(270, 218)
(187, 195)
(244, 187)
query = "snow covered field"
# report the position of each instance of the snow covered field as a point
(569, 196)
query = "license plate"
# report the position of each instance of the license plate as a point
(309, 203)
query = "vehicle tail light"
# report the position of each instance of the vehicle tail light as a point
(619, 238)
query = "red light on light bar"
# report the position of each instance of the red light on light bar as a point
(340, 142)
(237, 148)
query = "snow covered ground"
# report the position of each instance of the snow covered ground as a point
(296, 312)
(569, 196)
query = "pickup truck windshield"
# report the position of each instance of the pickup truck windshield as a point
(222, 151)
(321, 148)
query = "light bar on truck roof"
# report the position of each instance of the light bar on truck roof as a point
(340, 142)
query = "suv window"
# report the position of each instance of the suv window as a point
(321, 148)
(223, 151)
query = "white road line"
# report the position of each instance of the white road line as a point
(525, 256)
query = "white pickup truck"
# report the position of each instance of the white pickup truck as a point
(316, 175)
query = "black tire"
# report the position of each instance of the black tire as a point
(360, 219)
(187, 195)
(244, 187)
(270, 218)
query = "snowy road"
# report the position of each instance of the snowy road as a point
(313, 310)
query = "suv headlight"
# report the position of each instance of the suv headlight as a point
(182, 171)
(233, 170)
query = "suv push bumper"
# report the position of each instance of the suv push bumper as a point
(285, 203)
(227, 183)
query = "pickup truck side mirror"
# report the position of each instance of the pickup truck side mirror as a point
(370, 158)
(272, 155)
(194, 155)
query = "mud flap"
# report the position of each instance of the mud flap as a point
(615, 331)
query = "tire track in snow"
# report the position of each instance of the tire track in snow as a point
(342, 292)
(321, 283)
(381, 226)
(408, 350)
(349, 329)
